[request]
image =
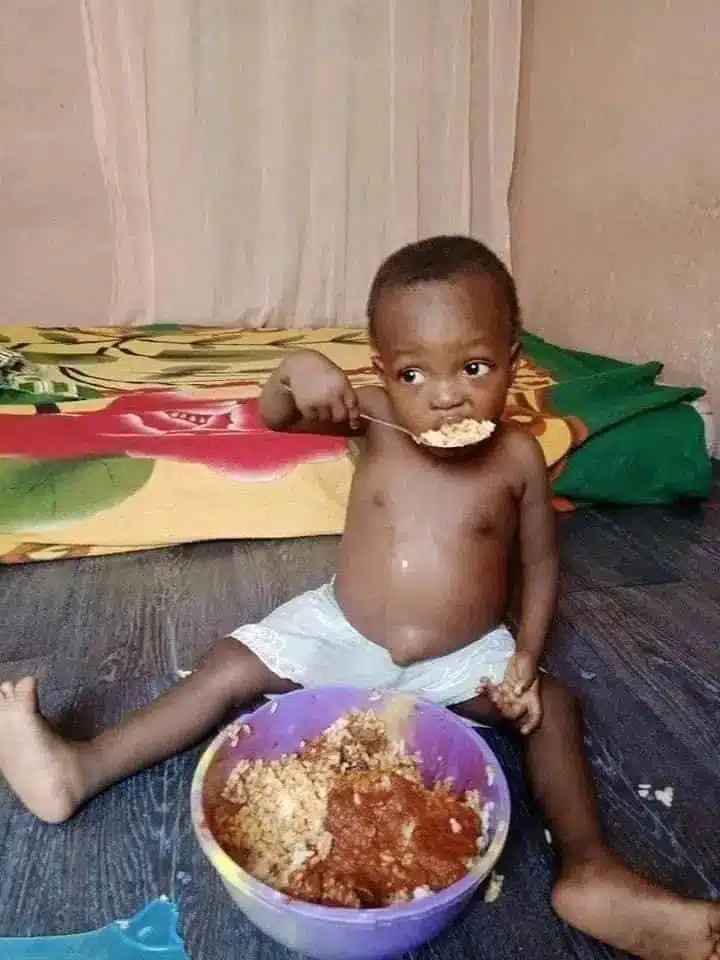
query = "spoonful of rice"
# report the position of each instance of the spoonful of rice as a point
(464, 433)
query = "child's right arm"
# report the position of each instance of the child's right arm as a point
(310, 394)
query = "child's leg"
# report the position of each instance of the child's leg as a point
(53, 775)
(596, 892)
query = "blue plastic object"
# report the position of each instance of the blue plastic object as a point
(151, 933)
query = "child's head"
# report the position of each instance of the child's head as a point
(444, 322)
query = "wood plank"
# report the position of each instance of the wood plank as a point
(636, 637)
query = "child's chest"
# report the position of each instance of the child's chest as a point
(453, 498)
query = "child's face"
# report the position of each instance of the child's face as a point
(444, 351)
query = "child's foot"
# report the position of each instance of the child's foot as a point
(40, 767)
(605, 899)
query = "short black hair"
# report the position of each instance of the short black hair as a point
(442, 258)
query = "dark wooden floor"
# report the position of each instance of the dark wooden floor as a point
(638, 638)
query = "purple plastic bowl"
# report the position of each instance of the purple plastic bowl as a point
(448, 748)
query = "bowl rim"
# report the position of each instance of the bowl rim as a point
(235, 877)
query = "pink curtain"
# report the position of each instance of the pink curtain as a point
(260, 157)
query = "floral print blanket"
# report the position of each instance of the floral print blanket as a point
(114, 440)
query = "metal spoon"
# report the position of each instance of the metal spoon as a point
(394, 426)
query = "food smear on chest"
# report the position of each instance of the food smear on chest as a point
(348, 822)
(464, 433)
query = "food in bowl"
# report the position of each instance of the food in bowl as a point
(448, 748)
(347, 820)
(464, 433)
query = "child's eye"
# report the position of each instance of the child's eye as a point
(476, 368)
(412, 376)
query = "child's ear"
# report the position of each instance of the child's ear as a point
(515, 351)
(378, 366)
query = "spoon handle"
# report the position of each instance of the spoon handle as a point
(386, 423)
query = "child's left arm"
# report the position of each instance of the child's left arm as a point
(517, 697)
(539, 562)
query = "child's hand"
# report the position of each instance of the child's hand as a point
(523, 708)
(524, 711)
(521, 672)
(320, 389)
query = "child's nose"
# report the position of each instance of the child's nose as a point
(447, 396)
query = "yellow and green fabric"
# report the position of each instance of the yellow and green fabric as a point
(119, 439)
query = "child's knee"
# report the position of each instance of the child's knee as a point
(225, 654)
(238, 673)
(227, 658)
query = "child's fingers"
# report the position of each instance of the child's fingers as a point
(339, 412)
(498, 701)
(532, 718)
(493, 695)
(352, 406)
(521, 681)
(318, 411)
(308, 411)
(514, 710)
(510, 708)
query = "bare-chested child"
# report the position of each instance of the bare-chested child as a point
(420, 595)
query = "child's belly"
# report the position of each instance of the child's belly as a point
(422, 600)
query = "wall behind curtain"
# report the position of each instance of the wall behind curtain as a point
(616, 193)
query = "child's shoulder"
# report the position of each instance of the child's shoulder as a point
(522, 451)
